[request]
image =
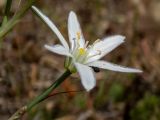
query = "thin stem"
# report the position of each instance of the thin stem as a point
(8, 7)
(19, 113)
(6, 12)
(45, 94)
(10, 24)
(58, 93)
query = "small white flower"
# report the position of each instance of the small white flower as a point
(81, 56)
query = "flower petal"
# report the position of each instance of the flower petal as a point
(113, 67)
(51, 25)
(74, 31)
(87, 76)
(59, 49)
(105, 46)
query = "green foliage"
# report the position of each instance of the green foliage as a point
(147, 108)
(116, 92)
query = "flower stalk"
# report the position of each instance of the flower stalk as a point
(40, 98)
(45, 94)
(6, 12)
(8, 7)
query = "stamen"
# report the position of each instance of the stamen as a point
(73, 39)
(86, 44)
(78, 35)
(98, 53)
(74, 44)
(91, 46)
(98, 40)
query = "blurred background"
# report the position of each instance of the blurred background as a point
(27, 69)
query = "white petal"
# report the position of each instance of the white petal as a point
(59, 49)
(105, 46)
(109, 40)
(51, 25)
(87, 76)
(73, 29)
(113, 67)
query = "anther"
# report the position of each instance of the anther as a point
(78, 35)
(81, 51)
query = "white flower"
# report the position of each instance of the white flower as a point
(81, 56)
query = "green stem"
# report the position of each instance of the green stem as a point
(19, 113)
(45, 94)
(8, 7)
(6, 12)
(10, 24)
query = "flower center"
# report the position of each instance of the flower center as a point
(82, 51)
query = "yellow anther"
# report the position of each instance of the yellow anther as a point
(78, 35)
(82, 51)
